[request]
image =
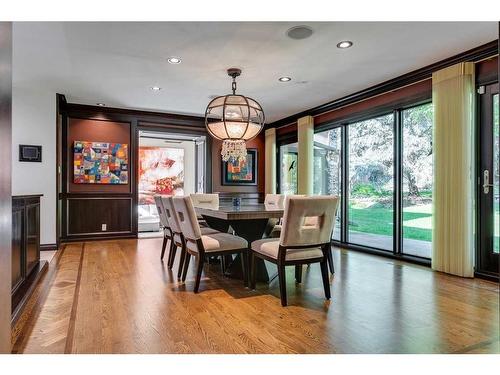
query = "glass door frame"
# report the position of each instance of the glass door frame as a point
(487, 262)
(343, 124)
(282, 141)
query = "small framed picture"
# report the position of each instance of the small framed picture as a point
(241, 172)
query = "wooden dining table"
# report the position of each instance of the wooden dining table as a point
(249, 222)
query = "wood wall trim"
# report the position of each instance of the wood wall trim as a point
(476, 54)
(89, 111)
(48, 246)
(407, 96)
(134, 120)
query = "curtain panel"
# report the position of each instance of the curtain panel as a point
(453, 97)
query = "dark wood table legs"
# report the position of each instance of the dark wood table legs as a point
(251, 230)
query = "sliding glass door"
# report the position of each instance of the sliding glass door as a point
(371, 182)
(328, 168)
(417, 180)
(382, 170)
(288, 168)
(488, 189)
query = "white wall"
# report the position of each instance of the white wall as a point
(34, 122)
(189, 159)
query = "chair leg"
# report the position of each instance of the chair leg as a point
(163, 247)
(244, 266)
(186, 266)
(326, 282)
(171, 254)
(223, 265)
(253, 265)
(199, 270)
(181, 263)
(298, 273)
(330, 260)
(282, 282)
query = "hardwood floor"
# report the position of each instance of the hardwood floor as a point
(117, 297)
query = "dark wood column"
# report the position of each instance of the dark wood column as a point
(5, 182)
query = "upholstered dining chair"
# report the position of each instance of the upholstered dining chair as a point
(276, 231)
(177, 237)
(205, 200)
(305, 238)
(273, 201)
(167, 233)
(201, 246)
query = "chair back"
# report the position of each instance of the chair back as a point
(210, 201)
(161, 211)
(187, 217)
(308, 220)
(274, 201)
(171, 214)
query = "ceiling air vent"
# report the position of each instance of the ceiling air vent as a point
(299, 32)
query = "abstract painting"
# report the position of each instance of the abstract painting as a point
(100, 163)
(161, 171)
(241, 172)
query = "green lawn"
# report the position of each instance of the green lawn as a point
(417, 221)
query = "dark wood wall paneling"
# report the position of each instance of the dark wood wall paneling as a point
(84, 208)
(5, 183)
(402, 91)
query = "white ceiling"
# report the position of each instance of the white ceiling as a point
(117, 62)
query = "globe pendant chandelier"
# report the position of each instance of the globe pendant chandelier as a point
(234, 119)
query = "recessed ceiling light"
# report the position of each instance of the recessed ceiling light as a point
(299, 32)
(174, 60)
(101, 104)
(156, 88)
(284, 79)
(344, 44)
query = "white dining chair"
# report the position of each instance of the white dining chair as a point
(167, 233)
(205, 200)
(201, 246)
(210, 201)
(177, 236)
(302, 240)
(274, 200)
(276, 230)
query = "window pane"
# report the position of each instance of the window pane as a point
(327, 168)
(371, 159)
(417, 181)
(288, 170)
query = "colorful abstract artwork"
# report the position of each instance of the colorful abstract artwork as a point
(161, 171)
(241, 172)
(100, 163)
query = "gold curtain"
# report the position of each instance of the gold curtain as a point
(270, 161)
(305, 159)
(453, 230)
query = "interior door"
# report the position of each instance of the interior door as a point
(489, 181)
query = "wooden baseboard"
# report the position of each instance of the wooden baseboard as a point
(48, 246)
(34, 279)
(83, 238)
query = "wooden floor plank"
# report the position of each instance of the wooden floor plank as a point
(127, 301)
(51, 328)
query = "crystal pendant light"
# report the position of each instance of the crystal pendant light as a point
(234, 119)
